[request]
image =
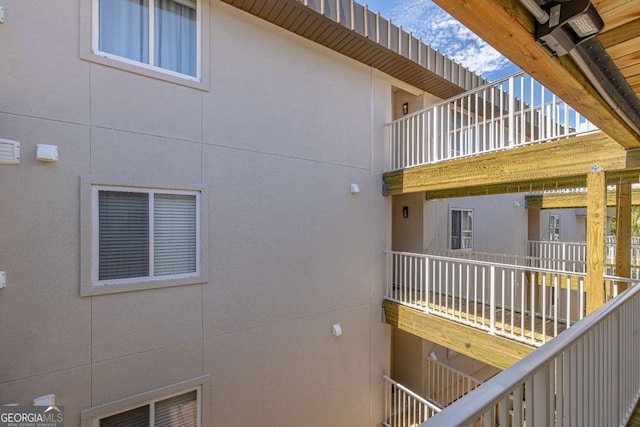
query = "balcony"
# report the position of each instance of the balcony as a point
(587, 376)
(496, 312)
(511, 112)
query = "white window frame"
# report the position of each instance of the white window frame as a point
(91, 417)
(151, 192)
(89, 259)
(95, 41)
(462, 248)
(554, 224)
(152, 408)
(89, 48)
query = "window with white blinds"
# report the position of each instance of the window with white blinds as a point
(181, 410)
(146, 234)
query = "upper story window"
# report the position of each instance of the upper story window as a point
(138, 238)
(461, 229)
(157, 34)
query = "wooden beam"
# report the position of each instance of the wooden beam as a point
(596, 223)
(619, 35)
(551, 165)
(491, 349)
(574, 200)
(623, 232)
(509, 28)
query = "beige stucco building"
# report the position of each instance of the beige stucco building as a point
(272, 147)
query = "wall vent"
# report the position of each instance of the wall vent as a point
(9, 152)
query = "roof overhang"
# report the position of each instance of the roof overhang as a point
(368, 38)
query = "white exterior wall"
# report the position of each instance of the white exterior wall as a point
(573, 222)
(499, 223)
(284, 129)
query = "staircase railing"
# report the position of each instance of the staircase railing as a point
(587, 376)
(445, 384)
(403, 407)
(510, 112)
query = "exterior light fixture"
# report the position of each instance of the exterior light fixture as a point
(405, 212)
(336, 330)
(405, 108)
(569, 24)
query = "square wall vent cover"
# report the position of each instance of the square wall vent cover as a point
(9, 152)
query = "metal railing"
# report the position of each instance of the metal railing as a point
(445, 384)
(588, 376)
(510, 112)
(526, 304)
(571, 255)
(403, 407)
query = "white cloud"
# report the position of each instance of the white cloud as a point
(442, 32)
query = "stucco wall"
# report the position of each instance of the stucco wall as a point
(499, 223)
(572, 224)
(284, 129)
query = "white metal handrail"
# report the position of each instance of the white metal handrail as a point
(445, 384)
(527, 304)
(510, 112)
(588, 376)
(571, 255)
(403, 407)
(550, 262)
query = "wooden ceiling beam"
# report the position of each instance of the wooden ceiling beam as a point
(573, 200)
(493, 350)
(509, 27)
(552, 165)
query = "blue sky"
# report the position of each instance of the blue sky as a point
(438, 29)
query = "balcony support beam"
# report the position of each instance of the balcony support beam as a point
(547, 166)
(493, 350)
(596, 225)
(623, 232)
(574, 200)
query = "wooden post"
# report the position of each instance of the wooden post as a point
(596, 223)
(623, 232)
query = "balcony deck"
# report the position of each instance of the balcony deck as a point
(509, 322)
(494, 312)
(512, 135)
(494, 350)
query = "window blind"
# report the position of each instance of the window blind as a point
(174, 234)
(138, 417)
(177, 411)
(123, 246)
